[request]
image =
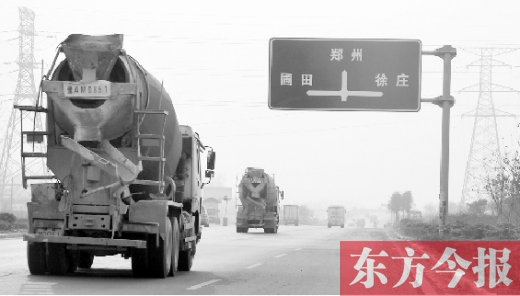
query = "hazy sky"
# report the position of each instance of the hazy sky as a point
(213, 57)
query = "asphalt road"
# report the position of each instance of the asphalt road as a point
(297, 260)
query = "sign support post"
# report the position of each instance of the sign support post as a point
(446, 101)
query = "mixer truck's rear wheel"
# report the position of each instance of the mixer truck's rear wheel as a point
(85, 260)
(160, 258)
(174, 266)
(139, 262)
(57, 259)
(186, 257)
(73, 262)
(36, 258)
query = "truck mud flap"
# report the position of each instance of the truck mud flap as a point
(72, 240)
(255, 225)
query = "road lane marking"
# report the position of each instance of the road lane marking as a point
(297, 249)
(37, 288)
(278, 256)
(254, 265)
(202, 285)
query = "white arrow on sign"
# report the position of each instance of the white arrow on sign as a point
(344, 92)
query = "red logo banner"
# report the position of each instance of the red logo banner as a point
(429, 267)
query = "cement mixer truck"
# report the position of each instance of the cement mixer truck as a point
(125, 177)
(260, 199)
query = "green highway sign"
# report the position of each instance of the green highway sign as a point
(345, 74)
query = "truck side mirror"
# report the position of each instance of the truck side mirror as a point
(282, 194)
(209, 174)
(211, 160)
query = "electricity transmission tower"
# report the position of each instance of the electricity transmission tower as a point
(25, 94)
(484, 156)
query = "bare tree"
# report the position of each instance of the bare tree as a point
(395, 204)
(400, 202)
(407, 202)
(503, 187)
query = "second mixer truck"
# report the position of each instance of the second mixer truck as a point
(260, 198)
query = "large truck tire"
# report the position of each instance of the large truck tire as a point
(73, 262)
(36, 258)
(85, 260)
(176, 238)
(160, 258)
(139, 262)
(186, 258)
(57, 259)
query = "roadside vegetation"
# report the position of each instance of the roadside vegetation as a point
(9, 223)
(476, 221)
(496, 217)
(458, 228)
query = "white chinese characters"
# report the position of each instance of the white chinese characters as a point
(491, 264)
(402, 80)
(286, 79)
(419, 268)
(307, 79)
(370, 268)
(494, 268)
(381, 80)
(336, 54)
(451, 265)
(357, 54)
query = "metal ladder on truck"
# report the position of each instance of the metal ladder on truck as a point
(152, 140)
(157, 140)
(32, 137)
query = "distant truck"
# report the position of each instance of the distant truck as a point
(361, 223)
(336, 216)
(291, 214)
(213, 216)
(260, 198)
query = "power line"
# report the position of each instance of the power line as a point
(7, 40)
(326, 129)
